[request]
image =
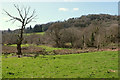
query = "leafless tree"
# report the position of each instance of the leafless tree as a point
(72, 35)
(25, 18)
(54, 33)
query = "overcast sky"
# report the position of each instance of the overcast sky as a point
(54, 11)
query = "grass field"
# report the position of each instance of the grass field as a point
(49, 49)
(39, 33)
(23, 45)
(87, 65)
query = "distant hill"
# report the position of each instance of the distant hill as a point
(83, 21)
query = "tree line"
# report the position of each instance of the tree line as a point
(99, 33)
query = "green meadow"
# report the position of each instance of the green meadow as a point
(103, 64)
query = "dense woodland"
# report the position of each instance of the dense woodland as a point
(94, 30)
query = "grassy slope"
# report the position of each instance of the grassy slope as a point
(87, 65)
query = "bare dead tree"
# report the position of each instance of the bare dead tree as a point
(24, 18)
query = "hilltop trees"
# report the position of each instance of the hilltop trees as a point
(28, 30)
(83, 21)
(9, 30)
(37, 28)
(25, 18)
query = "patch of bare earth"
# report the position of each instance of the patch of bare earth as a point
(27, 51)
(32, 51)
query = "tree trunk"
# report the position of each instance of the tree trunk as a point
(57, 44)
(19, 50)
(20, 39)
(72, 45)
(98, 47)
(84, 45)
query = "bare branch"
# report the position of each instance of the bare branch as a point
(31, 15)
(24, 19)
(14, 21)
(10, 20)
(17, 7)
(12, 16)
(26, 12)
(28, 21)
